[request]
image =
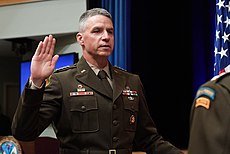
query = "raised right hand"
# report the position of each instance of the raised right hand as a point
(43, 62)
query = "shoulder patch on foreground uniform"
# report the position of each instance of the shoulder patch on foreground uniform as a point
(202, 101)
(203, 97)
(206, 91)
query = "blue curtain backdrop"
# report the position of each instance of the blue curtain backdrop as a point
(203, 32)
(120, 10)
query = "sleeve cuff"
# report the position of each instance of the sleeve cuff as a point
(33, 86)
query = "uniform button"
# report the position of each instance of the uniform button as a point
(83, 107)
(114, 106)
(132, 107)
(115, 139)
(115, 122)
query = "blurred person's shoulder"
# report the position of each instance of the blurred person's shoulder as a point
(220, 76)
(223, 78)
(219, 81)
(206, 93)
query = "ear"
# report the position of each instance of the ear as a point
(79, 38)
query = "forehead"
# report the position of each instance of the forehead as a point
(99, 20)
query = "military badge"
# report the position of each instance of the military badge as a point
(80, 87)
(9, 145)
(81, 91)
(132, 119)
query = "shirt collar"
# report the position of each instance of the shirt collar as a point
(96, 70)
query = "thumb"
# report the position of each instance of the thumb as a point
(54, 60)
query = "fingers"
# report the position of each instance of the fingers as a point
(46, 46)
(51, 46)
(50, 43)
(43, 45)
(38, 50)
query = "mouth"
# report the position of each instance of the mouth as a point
(104, 46)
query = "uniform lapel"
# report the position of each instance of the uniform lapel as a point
(119, 83)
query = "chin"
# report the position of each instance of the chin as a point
(105, 53)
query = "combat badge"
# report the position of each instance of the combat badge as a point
(81, 91)
(80, 87)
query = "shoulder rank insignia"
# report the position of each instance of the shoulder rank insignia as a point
(61, 69)
(64, 68)
(120, 68)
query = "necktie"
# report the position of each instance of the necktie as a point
(102, 75)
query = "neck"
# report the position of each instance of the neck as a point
(99, 62)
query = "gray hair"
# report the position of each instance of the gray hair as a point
(90, 13)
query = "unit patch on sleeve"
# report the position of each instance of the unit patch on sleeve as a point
(204, 96)
(206, 91)
(203, 101)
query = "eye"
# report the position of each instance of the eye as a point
(96, 30)
(110, 31)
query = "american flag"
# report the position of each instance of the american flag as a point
(222, 41)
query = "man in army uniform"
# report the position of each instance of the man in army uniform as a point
(85, 117)
(210, 120)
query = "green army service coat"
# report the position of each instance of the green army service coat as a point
(209, 119)
(85, 118)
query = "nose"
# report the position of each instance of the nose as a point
(105, 35)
